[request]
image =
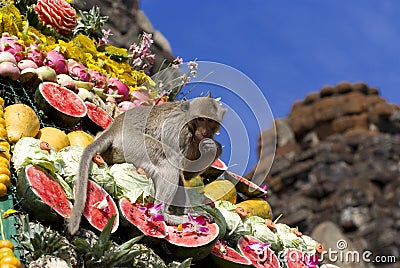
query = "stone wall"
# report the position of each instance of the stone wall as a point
(338, 160)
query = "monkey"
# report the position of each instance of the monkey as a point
(171, 142)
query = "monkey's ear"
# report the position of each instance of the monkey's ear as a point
(209, 95)
(185, 105)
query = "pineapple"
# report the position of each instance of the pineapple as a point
(103, 253)
(90, 23)
(49, 262)
(39, 241)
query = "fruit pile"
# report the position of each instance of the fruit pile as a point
(62, 83)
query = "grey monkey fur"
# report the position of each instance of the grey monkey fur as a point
(171, 142)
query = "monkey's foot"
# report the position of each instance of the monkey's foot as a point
(196, 213)
(175, 219)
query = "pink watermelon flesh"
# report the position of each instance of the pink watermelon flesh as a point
(63, 99)
(219, 164)
(268, 261)
(132, 213)
(98, 115)
(294, 258)
(48, 190)
(229, 254)
(179, 238)
(96, 214)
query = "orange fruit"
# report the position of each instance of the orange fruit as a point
(6, 244)
(5, 155)
(3, 132)
(5, 145)
(4, 163)
(3, 191)
(4, 170)
(5, 179)
(7, 265)
(6, 252)
(10, 260)
(2, 122)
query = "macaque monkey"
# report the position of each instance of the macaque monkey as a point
(170, 142)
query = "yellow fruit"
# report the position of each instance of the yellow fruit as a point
(194, 182)
(5, 155)
(10, 260)
(7, 265)
(221, 190)
(3, 132)
(6, 252)
(2, 122)
(256, 207)
(53, 136)
(80, 138)
(1, 101)
(4, 170)
(4, 162)
(5, 179)
(3, 190)
(21, 121)
(6, 244)
(5, 145)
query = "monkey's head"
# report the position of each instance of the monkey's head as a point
(205, 116)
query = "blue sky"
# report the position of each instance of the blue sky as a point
(288, 48)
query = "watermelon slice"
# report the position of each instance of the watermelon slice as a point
(215, 170)
(257, 252)
(226, 257)
(100, 207)
(133, 215)
(294, 258)
(244, 186)
(97, 118)
(60, 104)
(41, 195)
(191, 244)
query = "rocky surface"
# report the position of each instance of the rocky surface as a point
(127, 22)
(338, 159)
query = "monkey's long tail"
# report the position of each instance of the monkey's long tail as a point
(100, 145)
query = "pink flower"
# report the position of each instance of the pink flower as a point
(58, 14)
(195, 225)
(57, 62)
(10, 44)
(98, 79)
(310, 261)
(78, 70)
(34, 54)
(221, 246)
(257, 247)
(176, 62)
(104, 39)
(116, 86)
(193, 67)
(151, 211)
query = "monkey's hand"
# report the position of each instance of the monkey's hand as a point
(197, 213)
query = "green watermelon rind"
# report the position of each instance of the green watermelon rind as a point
(90, 122)
(183, 251)
(33, 203)
(62, 118)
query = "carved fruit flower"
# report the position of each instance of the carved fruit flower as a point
(58, 14)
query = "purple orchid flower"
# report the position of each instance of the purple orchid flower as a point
(222, 246)
(257, 247)
(195, 225)
(151, 212)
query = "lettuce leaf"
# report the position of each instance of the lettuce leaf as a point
(130, 183)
